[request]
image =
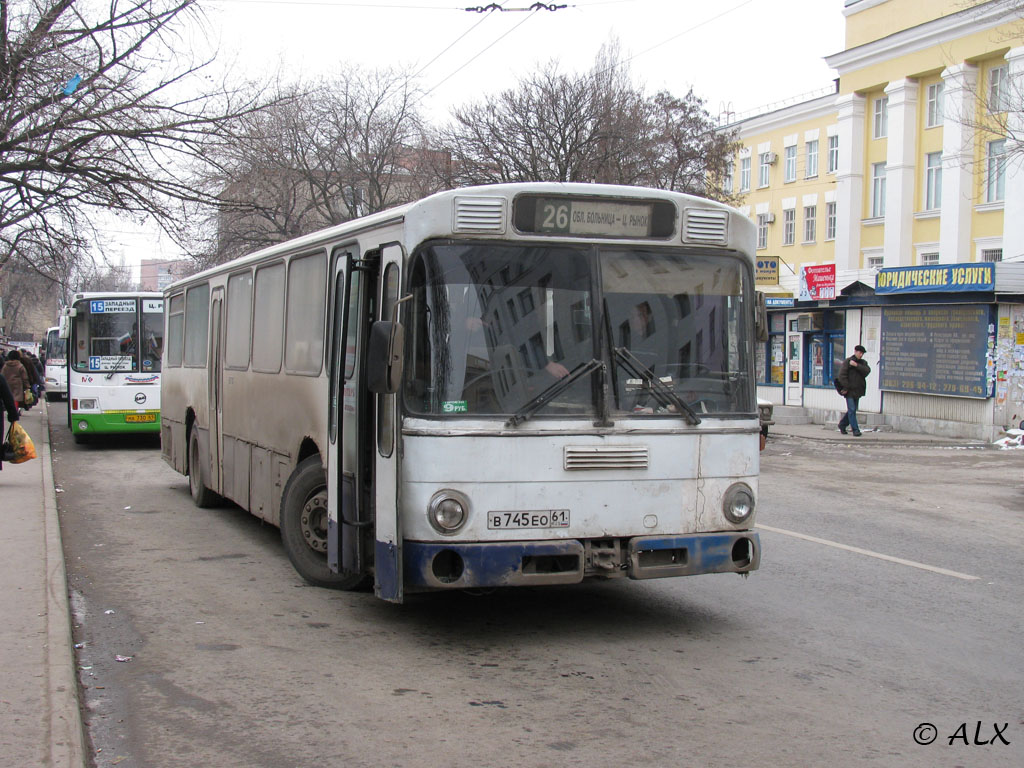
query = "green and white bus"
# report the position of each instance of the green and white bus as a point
(115, 346)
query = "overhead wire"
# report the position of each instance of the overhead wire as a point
(481, 53)
(452, 44)
(679, 34)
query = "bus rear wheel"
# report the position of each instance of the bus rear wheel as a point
(304, 527)
(202, 496)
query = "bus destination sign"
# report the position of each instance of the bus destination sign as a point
(593, 217)
(107, 306)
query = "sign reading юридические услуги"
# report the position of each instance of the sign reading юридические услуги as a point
(937, 278)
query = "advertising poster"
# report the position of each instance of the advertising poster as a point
(817, 282)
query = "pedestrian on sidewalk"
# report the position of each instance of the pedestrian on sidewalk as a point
(17, 377)
(852, 385)
(8, 404)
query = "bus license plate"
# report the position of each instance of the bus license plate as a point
(538, 518)
(139, 418)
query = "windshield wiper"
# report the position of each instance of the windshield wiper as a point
(664, 394)
(549, 394)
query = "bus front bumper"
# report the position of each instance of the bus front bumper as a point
(444, 565)
(110, 422)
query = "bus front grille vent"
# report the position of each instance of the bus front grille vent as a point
(578, 457)
(480, 214)
(703, 226)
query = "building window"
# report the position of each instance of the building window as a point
(789, 226)
(875, 262)
(928, 259)
(762, 230)
(933, 181)
(833, 154)
(810, 223)
(789, 164)
(727, 178)
(744, 174)
(995, 171)
(877, 190)
(935, 108)
(881, 118)
(830, 221)
(825, 350)
(811, 169)
(764, 169)
(991, 254)
(997, 89)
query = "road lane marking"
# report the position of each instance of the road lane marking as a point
(869, 553)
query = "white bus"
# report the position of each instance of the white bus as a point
(55, 365)
(517, 384)
(115, 349)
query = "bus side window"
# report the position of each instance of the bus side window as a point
(197, 324)
(307, 308)
(386, 403)
(268, 319)
(239, 318)
(175, 331)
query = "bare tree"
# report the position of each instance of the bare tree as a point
(591, 127)
(26, 295)
(99, 109)
(329, 151)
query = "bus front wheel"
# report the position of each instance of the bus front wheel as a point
(202, 496)
(304, 527)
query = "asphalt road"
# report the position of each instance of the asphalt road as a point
(829, 655)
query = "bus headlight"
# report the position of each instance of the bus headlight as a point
(87, 404)
(448, 511)
(738, 503)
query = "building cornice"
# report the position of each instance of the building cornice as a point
(923, 36)
(808, 110)
(856, 6)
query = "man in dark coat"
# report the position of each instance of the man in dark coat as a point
(8, 404)
(852, 386)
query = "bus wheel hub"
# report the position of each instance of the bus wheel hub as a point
(314, 522)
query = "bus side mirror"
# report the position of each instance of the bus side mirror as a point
(384, 357)
(760, 317)
(64, 325)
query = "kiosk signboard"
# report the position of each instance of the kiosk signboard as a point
(936, 350)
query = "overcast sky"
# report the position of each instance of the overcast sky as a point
(739, 55)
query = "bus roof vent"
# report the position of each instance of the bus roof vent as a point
(480, 214)
(701, 225)
(605, 457)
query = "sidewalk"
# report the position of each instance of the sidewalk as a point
(40, 720)
(830, 433)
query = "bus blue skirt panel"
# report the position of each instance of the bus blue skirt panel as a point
(448, 565)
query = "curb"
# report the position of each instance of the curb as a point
(67, 739)
(895, 442)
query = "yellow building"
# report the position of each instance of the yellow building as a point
(915, 160)
(907, 163)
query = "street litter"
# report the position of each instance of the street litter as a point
(79, 645)
(119, 657)
(127, 507)
(58, 490)
(1014, 439)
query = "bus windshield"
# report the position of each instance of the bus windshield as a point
(56, 347)
(107, 333)
(493, 326)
